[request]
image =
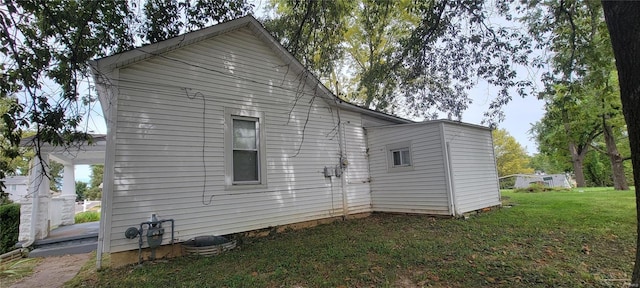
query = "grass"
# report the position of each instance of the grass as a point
(551, 239)
(13, 271)
(88, 216)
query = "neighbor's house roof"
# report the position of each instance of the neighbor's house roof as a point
(109, 63)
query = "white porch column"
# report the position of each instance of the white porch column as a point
(69, 181)
(34, 218)
(68, 208)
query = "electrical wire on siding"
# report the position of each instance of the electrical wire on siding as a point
(204, 142)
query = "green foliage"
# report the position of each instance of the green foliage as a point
(9, 226)
(55, 176)
(13, 270)
(88, 216)
(422, 55)
(507, 183)
(81, 190)
(549, 165)
(539, 187)
(580, 90)
(553, 239)
(511, 157)
(597, 170)
(95, 192)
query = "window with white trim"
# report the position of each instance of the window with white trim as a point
(246, 154)
(245, 161)
(399, 157)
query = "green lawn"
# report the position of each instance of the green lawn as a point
(551, 239)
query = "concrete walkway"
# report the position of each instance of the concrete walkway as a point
(54, 271)
(75, 230)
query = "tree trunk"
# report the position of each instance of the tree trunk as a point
(617, 169)
(576, 156)
(624, 27)
(576, 160)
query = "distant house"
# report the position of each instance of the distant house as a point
(16, 186)
(224, 131)
(548, 180)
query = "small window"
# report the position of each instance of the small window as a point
(244, 151)
(13, 187)
(399, 157)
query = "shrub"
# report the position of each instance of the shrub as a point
(89, 216)
(9, 226)
(539, 187)
(507, 183)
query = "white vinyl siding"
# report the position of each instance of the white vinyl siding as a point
(421, 189)
(474, 174)
(356, 174)
(452, 167)
(170, 142)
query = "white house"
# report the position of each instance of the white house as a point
(223, 131)
(16, 186)
(548, 180)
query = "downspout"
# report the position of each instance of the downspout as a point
(452, 186)
(109, 96)
(495, 165)
(342, 174)
(447, 171)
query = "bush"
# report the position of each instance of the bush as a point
(507, 183)
(89, 216)
(539, 187)
(9, 226)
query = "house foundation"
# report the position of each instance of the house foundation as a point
(119, 259)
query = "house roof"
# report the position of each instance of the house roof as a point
(430, 122)
(74, 153)
(109, 63)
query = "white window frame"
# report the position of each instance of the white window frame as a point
(241, 114)
(399, 147)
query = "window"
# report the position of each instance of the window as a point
(245, 150)
(245, 161)
(13, 187)
(399, 157)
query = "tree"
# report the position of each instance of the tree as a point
(566, 125)
(624, 29)
(81, 190)
(511, 157)
(579, 87)
(46, 46)
(55, 175)
(95, 191)
(424, 55)
(547, 164)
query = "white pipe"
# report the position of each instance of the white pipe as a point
(451, 180)
(343, 180)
